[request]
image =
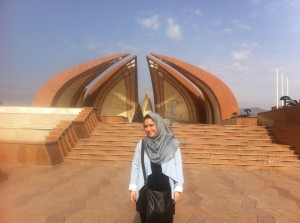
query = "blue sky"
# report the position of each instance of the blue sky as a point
(240, 41)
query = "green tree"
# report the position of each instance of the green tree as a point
(285, 99)
(247, 110)
(292, 102)
(234, 114)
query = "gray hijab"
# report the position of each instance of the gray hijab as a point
(163, 146)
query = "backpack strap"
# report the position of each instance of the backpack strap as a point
(143, 162)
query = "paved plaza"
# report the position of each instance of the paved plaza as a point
(91, 193)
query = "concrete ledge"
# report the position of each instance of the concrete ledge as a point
(23, 120)
(42, 144)
(240, 121)
(21, 134)
(39, 153)
(113, 119)
(40, 110)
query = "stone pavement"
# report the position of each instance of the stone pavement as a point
(91, 193)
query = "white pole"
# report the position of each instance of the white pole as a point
(282, 87)
(277, 88)
(287, 86)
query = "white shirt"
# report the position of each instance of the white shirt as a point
(172, 169)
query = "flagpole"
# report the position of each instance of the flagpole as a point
(282, 87)
(277, 88)
(287, 86)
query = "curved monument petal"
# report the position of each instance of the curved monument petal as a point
(66, 88)
(116, 93)
(173, 89)
(220, 101)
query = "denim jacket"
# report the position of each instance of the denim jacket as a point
(172, 169)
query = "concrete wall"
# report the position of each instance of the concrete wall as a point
(284, 125)
(240, 121)
(42, 136)
(40, 110)
(282, 117)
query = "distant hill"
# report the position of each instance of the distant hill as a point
(253, 112)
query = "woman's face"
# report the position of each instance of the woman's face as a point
(150, 127)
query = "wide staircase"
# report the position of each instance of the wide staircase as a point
(228, 146)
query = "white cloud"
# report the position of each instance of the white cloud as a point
(241, 25)
(93, 43)
(240, 55)
(192, 12)
(151, 22)
(173, 30)
(293, 3)
(252, 45)
(217, 22)
(246, 46)
(69, 44)
(256, 1)
(228, 31)
(239, 67)
(198, 12)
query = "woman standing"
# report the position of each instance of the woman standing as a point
(163, 165)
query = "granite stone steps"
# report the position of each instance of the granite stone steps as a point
(201, 145)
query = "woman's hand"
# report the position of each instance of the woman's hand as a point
(177, 197)
(133, 196)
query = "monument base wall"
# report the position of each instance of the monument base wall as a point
(40, 153)
(283, 124)
(45, 144)
(240, 121)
